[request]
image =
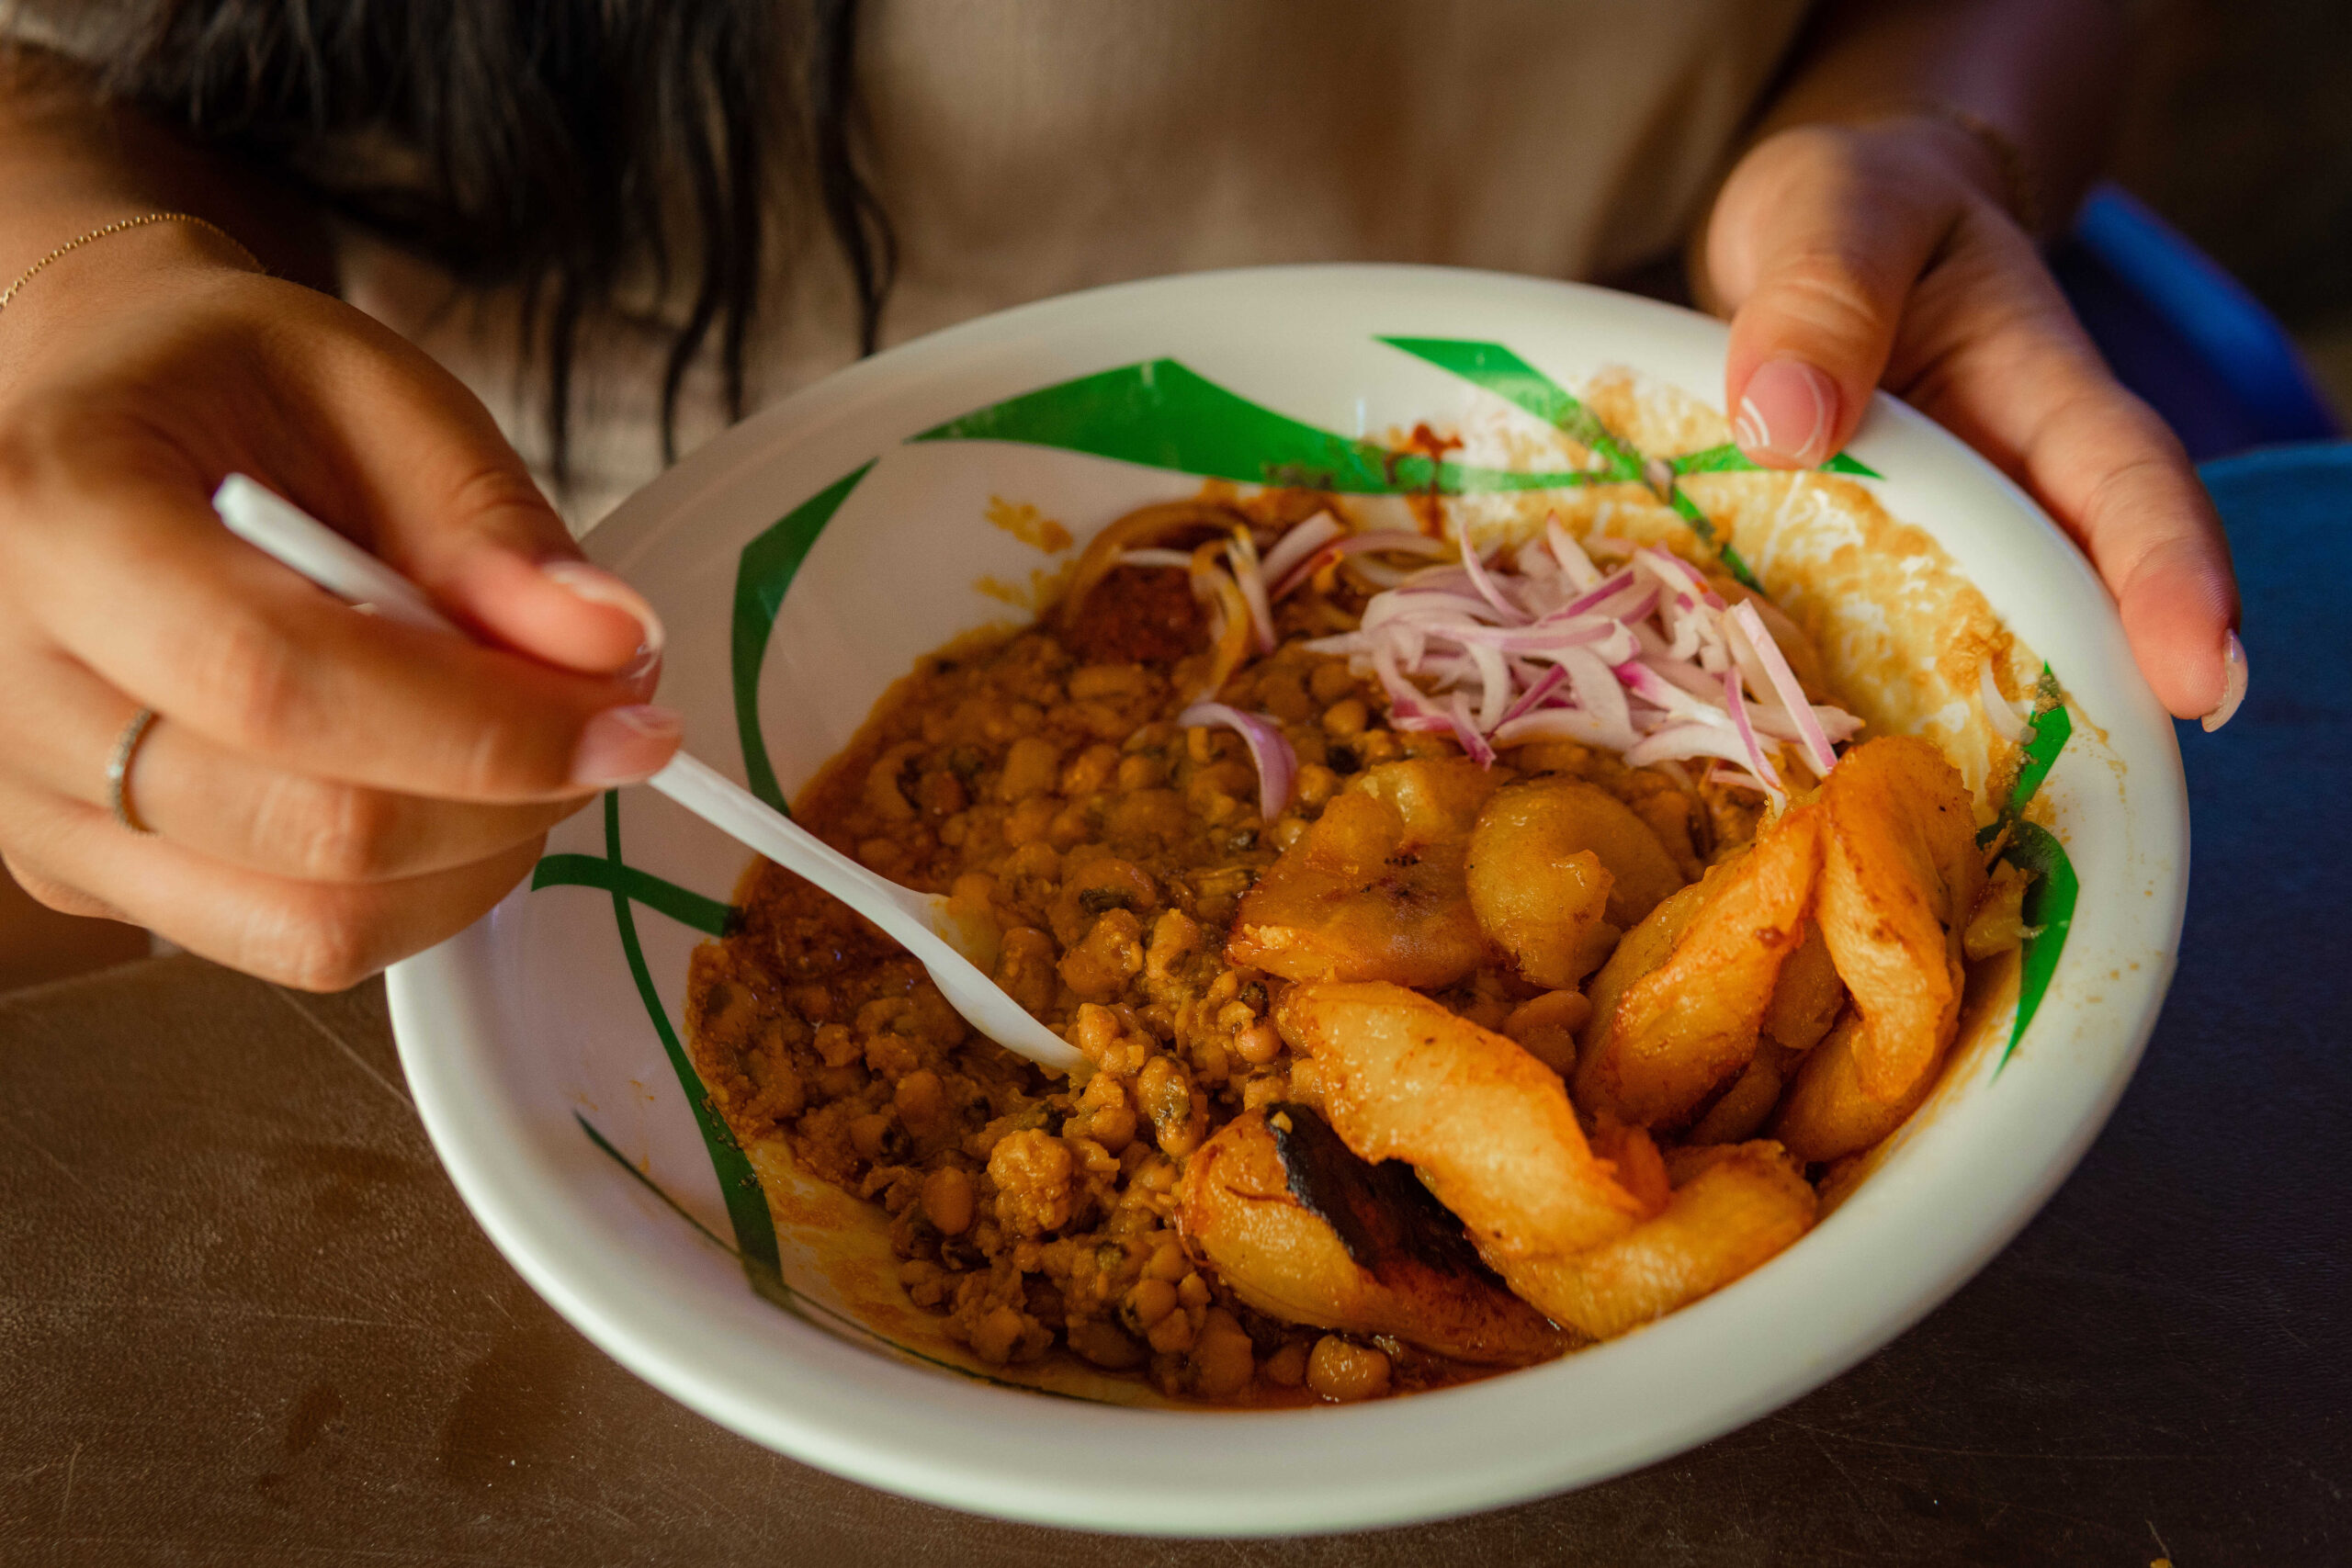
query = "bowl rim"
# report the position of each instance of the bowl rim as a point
(846, 1410)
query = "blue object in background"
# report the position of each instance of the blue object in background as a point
(2184, 335)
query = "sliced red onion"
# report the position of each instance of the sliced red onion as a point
(1277, 764)
(1154, 557)
(1686, 676)
(1242, 555)
(1494, 686)
(1299, 543)
(1600, 694)
(1736, 704)
(1810, 735)
(1573, 560)
(1466, 730)
(1485, 584)
(1590, 600)
(1378, 539)
(1776, 721)
(1997, 710)
(1406, 702)
(1424, 605)
(1678, 743)
(1684, 571)
(1655, 689)
(1551, 681)
(1583, 631)
(1739, 778)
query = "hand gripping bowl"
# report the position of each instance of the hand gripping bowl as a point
(806, 559)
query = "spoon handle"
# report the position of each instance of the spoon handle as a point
(288, 533)
(745, 817)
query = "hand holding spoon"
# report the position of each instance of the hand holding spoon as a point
(921, 922)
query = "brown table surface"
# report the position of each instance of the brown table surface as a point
(244, 1318)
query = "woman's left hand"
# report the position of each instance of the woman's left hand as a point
(1856, 257)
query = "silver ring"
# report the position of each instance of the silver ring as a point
(126, 750)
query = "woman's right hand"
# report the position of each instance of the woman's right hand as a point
(328, 791)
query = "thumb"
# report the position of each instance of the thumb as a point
(445, 501)
(1812, 248)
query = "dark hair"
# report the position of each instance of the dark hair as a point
(573, 148)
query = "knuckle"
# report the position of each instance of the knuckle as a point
(313, 943)
(337, 832)
(253, 673)
(1829, 287)
(505, 760)
(504, 500)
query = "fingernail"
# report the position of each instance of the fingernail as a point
(2233, 678)
(598, 586)
(1786, 414)
(625, 745)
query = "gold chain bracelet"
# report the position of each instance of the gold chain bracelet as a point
(118, 227)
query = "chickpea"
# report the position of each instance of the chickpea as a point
(1177, 1115)
(1344, 1372)
(1265, 1089)
(892, 1055)
(1028, 821)
(1025, 967)
(1223, 1362)
(1174, 936)
(1090, 771)
(1192, 1291)
(1345, 720)
(1286, 1368)
(1316, 785)
(1138, 771)
(1032, 1171)
(1168, 1263)
(1214, 1061)
(1331, 680)
(996, 1335)
(920, 1099)
(1149, 1300)
(947, 1201)
(1283, 694)
(1012, 719)
(1094, 1031)
(1172, 1334)
(1096, 681)
(868, 1134)
(781, 1093)
(882, 794)
(940, 794)
(1260, 1044)
(1070, 827)
(1111, 954)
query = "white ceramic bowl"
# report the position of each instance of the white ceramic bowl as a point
(541, 1047)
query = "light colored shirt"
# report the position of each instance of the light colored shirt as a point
(1026, 148)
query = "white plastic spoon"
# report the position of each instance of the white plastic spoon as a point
(918, 921)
